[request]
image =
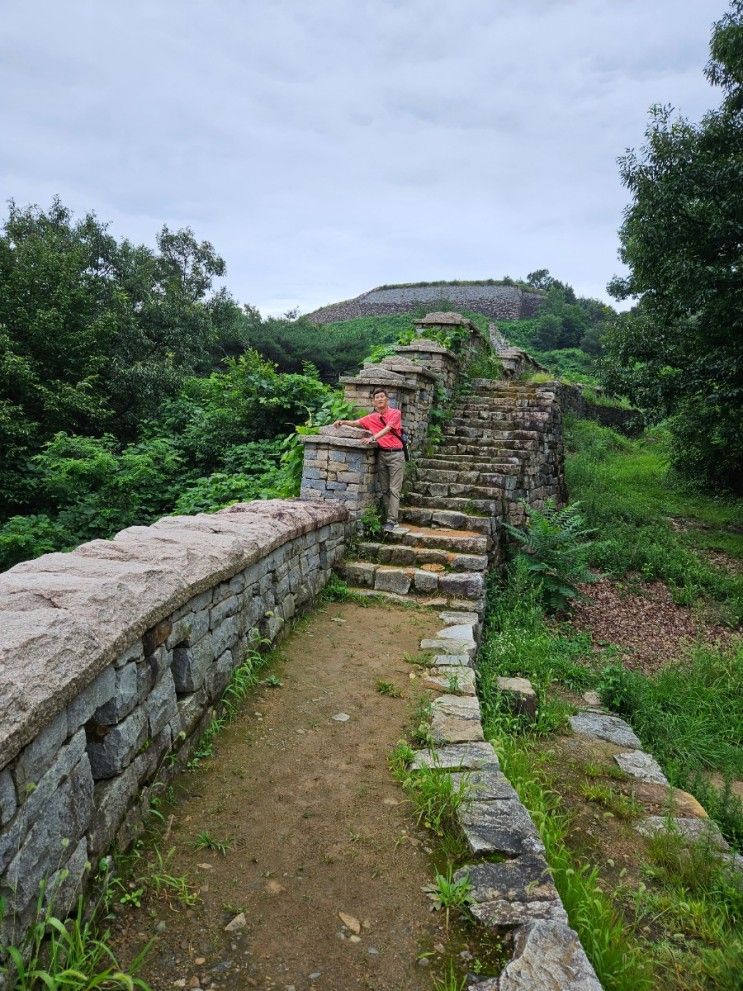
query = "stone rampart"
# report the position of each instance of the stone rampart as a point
(502, 302)
(112, 660)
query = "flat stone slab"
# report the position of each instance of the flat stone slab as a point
(513, 893)
(485, 785)
(442, 678)
(520, 693)
(499, 827)
(466, 648)
(455, 719)
(451, 661)
(609, 728)
(462, 756)
(460, 631)
(689, 827)
(642, 766)
(454, 618)
(548, 957)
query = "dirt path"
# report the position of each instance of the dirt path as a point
(316, 826)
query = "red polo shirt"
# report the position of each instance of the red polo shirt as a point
(376, 422)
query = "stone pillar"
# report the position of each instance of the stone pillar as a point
(339, 467)
(417, 405)
(434, 358)
(358, 389)
(474, 340)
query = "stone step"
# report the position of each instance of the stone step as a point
(450, 462)
(471, 507)
(492, 434)
(504, 403)
(387, 553)
(444, 490)
(509, 388)
(464, 445)
(428, 601)
(486, 476)
(466, 586)
(447, 519)
(450, 539)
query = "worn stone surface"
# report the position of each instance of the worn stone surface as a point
(513, 893)
(462, 756)
(485, 784)
(8, 803)
(668, 800)
(452, 678)
(112, 748)
(452, 661)
(65, 617)
(609, 728)
(641, 765)
(464, 648)
(499, 827)
(692, 828)
(520, 693)
(548, 957)
(455, 719)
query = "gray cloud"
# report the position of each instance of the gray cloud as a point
(325, 148)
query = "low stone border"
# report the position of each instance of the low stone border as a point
(687, 816)
(517, 894)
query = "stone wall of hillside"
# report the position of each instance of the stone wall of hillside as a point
(497, 301)
(112, 660)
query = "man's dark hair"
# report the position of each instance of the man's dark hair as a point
(377, 392)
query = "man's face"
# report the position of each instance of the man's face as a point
(381, 402)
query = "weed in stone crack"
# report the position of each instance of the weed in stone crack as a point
(422, 659)
(447, 893)
(452, 684)
(420, 731)
(389, 689)
(400, 759)
(205, 747)
(437, 798)
(72, 954)
(450, 981)
(615, 802)
(205, 841)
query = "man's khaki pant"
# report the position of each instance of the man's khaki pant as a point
(391, 471)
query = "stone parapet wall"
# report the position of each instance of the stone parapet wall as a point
(112, 660)
(626, 421)
(501, 302)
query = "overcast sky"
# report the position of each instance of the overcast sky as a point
(328, 146)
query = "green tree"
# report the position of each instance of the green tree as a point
(682, 351)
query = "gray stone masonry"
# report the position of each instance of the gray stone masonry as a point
(114, 656)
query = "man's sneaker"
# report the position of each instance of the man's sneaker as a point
(389, 526)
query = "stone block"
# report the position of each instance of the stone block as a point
(642, 766)
(520, 695)
(161, 706)
(392, 580)
(548, 956)
(513, 893)
(455, 719)
(67, 817)
(97, 694)
(133, 653)
(609, 728)
(189, 629)
(458, 648)
(424, 581)
(223, 609)
(36, 759)
(191, 708)
(111, 748)
(218, 675)
(461, 756)
(156, 636)
(486, 784)
(125, 696)
(66, 884)
(454, 678)
(8, 802)
(503, 827)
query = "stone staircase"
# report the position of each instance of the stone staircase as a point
(501, 445)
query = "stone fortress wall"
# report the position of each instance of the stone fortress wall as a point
(114, 656)
(502, 302)
(112, 660)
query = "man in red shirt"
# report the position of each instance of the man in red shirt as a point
(385, 427)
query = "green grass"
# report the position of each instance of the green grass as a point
(627, 493)
(71, 954)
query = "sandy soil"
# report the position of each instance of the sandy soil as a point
(316, 826)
